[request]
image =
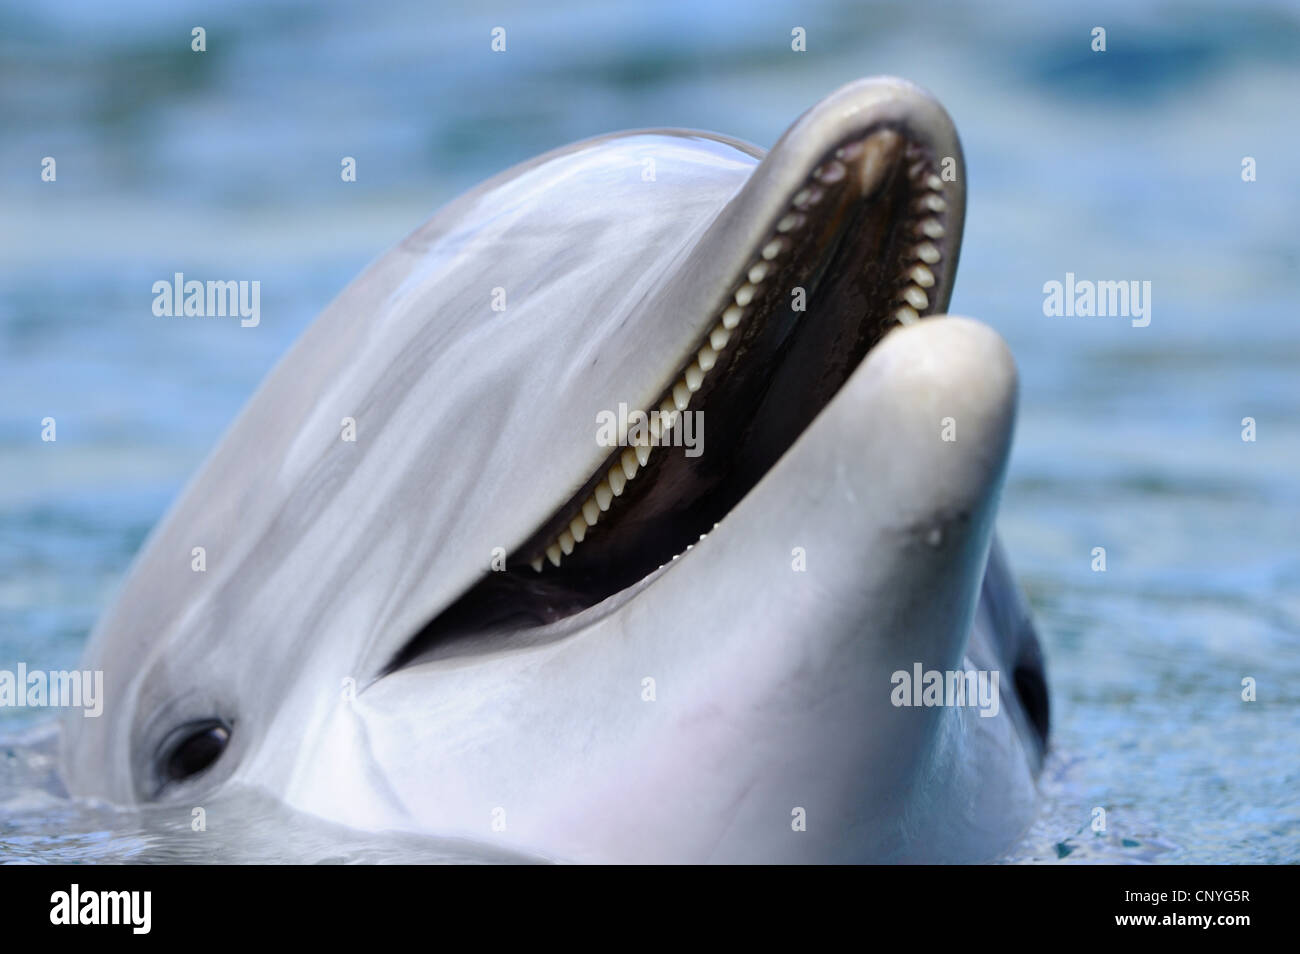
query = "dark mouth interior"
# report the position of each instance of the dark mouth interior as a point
(865, 239)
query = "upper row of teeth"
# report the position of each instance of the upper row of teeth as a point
(928, 230)
(678, 398)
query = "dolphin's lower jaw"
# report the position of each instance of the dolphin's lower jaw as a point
(772, 685)
(860, 246)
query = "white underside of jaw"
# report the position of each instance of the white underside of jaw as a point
(912, 299)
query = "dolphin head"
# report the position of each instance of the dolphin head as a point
(444, 585)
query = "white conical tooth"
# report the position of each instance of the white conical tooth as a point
(932, 202)
(922, 276)
(536, 564)
(829, 172)
(745, 294)
(590, 511)
(758, 273)
(566, 542)
(915, 297)
(578, 528)
(642, 453)
(927, 253)
(694, 377)
(808, 197)
(907, 316)
(628, 460)
(773, 248)
(681, 395)
(617, 480)
(706, 358)
(731, 317)
(604, 495)
(553, 554)
(931, 228)
(789, 222)
(719, 337)
(934, 182)
(668, 413)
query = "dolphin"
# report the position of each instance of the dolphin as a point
(433, 598)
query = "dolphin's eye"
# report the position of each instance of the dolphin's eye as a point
(195, 747)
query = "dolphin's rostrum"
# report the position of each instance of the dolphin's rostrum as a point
(680, 658)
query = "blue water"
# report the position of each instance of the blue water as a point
(1122, 165)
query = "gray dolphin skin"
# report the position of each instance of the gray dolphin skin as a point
(477, 620)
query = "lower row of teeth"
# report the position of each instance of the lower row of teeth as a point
(913, 300)
(929, 210)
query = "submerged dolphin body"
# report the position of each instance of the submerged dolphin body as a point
(356, 647)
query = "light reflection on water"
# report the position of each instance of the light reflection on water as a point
(39, 825)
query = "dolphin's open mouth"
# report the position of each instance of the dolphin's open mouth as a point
(862, 245)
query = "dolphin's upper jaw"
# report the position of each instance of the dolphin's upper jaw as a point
(865, 240)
